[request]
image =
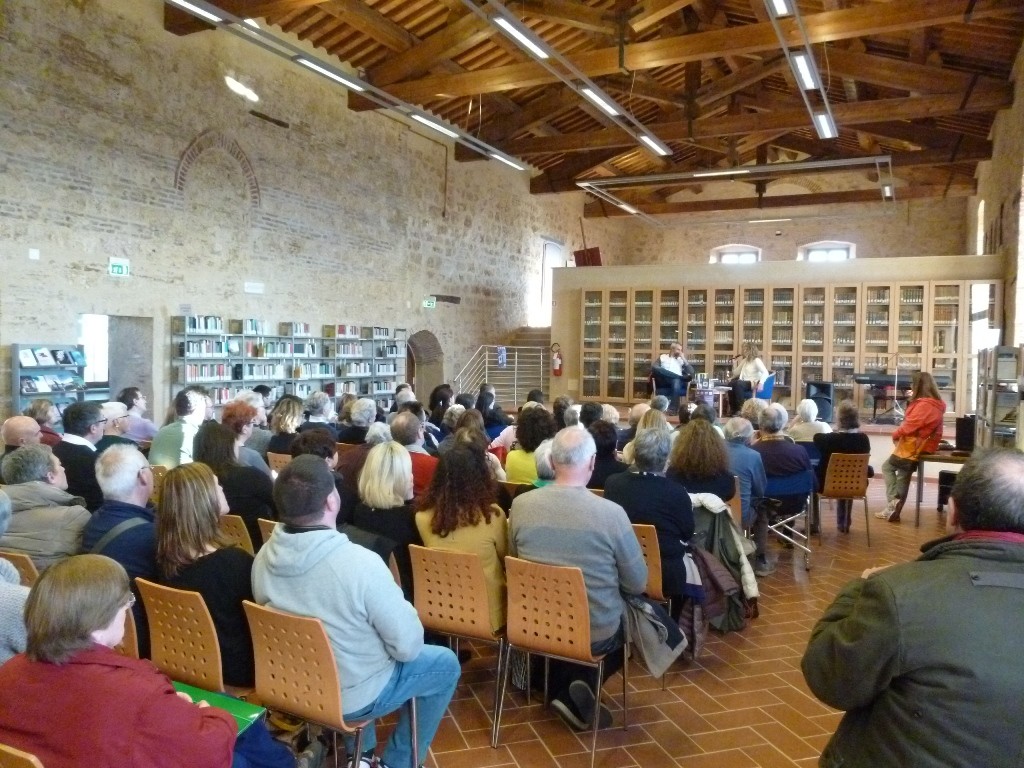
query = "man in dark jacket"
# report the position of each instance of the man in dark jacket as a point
(925, 656)
(83, 428)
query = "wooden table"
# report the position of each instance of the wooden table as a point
(942, 457)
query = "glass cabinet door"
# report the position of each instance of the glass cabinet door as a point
(724, 343)
(593, 319)
(752, 316)
(616, 386)
(697, 329)
(910, 328)
(642, 337)
(946, 318)
(843, 341)
(781, 342)
(669, 328)
(617, 335)
(812, 336)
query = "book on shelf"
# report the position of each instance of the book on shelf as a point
(62, 356)
(77, 357)
(26, 359)
(43, 356)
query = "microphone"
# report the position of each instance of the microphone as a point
(737, 357)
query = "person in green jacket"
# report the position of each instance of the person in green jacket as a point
(925, 657)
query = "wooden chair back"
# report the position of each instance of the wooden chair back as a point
(182, 638)
(514, 489)
(15, 758)
(159, 473)
(598, 492)
(736, 504)
(266, 528)
(129, 645)
(846, 476)
(342, 447)
(547, 609)
(647, 535)
(233, 528)
(450, 592)
(278, 461)
(295, 667)
(23, 563)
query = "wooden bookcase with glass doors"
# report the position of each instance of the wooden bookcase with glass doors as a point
(814, 332)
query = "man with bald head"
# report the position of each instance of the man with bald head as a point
(18, 431)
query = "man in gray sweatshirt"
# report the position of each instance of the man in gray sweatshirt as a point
(309, 568)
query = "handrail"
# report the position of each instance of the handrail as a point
(522, 369)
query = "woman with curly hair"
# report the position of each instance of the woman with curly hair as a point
(458, 513)
(534, 427)
(700, 461)
(285, 420)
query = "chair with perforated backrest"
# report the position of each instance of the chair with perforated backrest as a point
(15, 758)
(548, 614)
(514, 489)
(297, 674)
(23, 563)
(451, 596)
(278, 461)
(233, 527)
(266, 528)
(182, 637)
(647, 535)
(736, 504)
(846, 477)
(159, 473)
(597, 491)
(129, 645)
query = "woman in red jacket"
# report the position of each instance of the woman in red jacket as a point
(919, 433)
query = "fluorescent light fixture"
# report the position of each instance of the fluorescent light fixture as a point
(195, 9)
(781, 7)
(241, 89)
(767, 221)
(328, 73)
(435, 126)
(730, 172)
(507, 162)
(825, 125)
(887, 190)
(654, 145)
(521, 37)
(806, 76)
(251, 23)
(600, 101)
(628, 208)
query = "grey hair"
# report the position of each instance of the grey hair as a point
(247, 396)
(989, 491)
(542, 458)
(659, 403)
(650, 450)
(571, 417)
(378, 432)
(452, 415)
(318, 404)
(773, 419)
(572, 447)
(847, 415)
(807, 410)
(364, 411)
(738, 429)
(28, 463)
(405, 396)
(611, 414)
(117, 469)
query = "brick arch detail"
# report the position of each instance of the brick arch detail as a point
(425, 347)
(211, 139)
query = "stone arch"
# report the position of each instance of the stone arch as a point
(428, 361)
(211, 139)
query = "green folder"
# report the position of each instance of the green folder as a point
(244, 713)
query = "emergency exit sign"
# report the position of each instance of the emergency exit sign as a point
(118, 267)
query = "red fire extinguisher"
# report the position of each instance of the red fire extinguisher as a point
(556, 360)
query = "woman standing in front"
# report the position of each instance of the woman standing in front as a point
(748, 376)
(919, 433)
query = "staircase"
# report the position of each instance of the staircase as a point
(513, 370)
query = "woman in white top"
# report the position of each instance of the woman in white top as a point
(805, 426)
(748, 377)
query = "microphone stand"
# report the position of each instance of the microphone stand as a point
(896, 410)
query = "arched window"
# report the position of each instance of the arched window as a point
(827, 250)
(735, 253)
(979, 231)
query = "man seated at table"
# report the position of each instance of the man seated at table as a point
(672, 372)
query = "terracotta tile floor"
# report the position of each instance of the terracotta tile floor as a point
(742, 704)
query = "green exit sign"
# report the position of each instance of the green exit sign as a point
(118, 267)
(430, 302)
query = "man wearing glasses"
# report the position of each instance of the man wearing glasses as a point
(83, 428)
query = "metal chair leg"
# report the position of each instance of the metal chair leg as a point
(499, 703)
(597, 711)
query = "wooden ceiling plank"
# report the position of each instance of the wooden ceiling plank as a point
(537, 111)
(570, 14)
(371, 23)
(739, 80)
(902, 75)
(448, 42)
(644, 87)
(654, 11)
(563, 177)
(924, 135)
(827, 26)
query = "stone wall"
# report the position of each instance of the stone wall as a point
(344, 217)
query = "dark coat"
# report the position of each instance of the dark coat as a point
(80, 465)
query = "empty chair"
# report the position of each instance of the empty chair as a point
(278, 461)
(847, 478)
(233, 527)
(159, 473)
(23, 563)
(15, 758)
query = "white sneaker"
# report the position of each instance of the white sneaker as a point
(889, 511)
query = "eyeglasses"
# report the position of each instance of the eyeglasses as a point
(131, 601)
(254, 423)
(101, 421)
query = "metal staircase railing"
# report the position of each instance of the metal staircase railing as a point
(512, 371)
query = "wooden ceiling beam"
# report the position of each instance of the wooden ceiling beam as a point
(563, 177)
(739, 80)
(456, 37)
(925, 136)
(844, 24)
(371, 23)
(653, 12)
(769, 202)
(644, 87)
(179, 22)
(570, 14)
(846, 115)
(899, 74)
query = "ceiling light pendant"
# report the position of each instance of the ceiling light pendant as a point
(804, 68)
(655, 145)
(600, 100)
(329, 73)
(434, 126)
(195, 9)
(825, 125)
(521, 36)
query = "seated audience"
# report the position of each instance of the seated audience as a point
(47, 417)
(466, 399)
(751, 411)
(240, 417)
(699, 460)
(249, 492)
(83, 428)
(652, 419)
(507, 438)
(47, 521)
(702, 411)
(495, 419)
(398, 398)
(805, 425)
(320, 410)
(172, 444)
(385, 503)
(138, 428)
(589, 413)
(542, 460)
(448, 422)
(18, 431)
(260, 435)
(266, 393)
(12, 596)
(407, 431)
(607, 463)
(284, 421)
(439, 401)
(430, 432)
(350, 464)
(635, 414)
(458, 512)
(660, 403)
(846, 439)
(311, 569)
(471, 433)
(561, 405)
(116, 416)
(650, 498)
(364, 413)
(745, 463)
(345, 403)
(72, 700)
(535, 426)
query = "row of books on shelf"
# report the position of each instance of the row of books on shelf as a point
(51, 382)
(207, 372)
(44, 356)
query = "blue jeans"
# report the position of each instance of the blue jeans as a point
(431, 677)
